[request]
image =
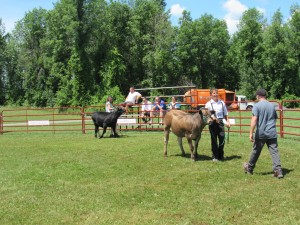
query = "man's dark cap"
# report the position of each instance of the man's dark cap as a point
(261, 92)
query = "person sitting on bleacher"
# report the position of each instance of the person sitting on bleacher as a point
(159, 108)
(174, 104)
(146, 109)
(131, 99)
(109, 107)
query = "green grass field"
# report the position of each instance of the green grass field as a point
(71, 178)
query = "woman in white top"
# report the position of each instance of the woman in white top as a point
(109, 104)
(146, 109)
(174, 104)
(216, 128)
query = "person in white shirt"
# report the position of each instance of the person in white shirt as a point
(131, 99)
(109, 107)
(174, 104)
(216, 128)
(146, 109)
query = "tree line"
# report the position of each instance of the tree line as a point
(81, 51)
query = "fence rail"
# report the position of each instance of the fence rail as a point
(78, 119)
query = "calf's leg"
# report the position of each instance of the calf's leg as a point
(111, 133)
(196, 143)
(113, 128)
(104, 131)
(96, 130)
(179, 140)
(190, 141)
(167, 133)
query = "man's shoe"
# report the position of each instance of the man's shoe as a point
(278, 173)
(247, 168)
(215, 160)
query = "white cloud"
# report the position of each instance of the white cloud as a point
(234, 9)
(261, 10)
(9, 24)
(176, 10)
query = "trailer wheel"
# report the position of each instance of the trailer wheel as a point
(249, 107)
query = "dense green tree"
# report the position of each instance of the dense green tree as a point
(84, 50)
(14, 89)
(28, 36)
(276, 58)
(248, 45)
(231, 69)
(2, 62)
(202, 46)
(156, 43)
(293, 85)
(116, 65)
(61, 58)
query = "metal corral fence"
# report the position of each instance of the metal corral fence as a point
(78, 119)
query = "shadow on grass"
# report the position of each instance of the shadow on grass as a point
(188, 156)
(208, 158)
(285, 171)
(232, 157)
(111, 136)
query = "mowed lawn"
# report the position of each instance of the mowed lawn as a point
(72, 178)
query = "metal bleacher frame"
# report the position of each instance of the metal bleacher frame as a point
(133, 120)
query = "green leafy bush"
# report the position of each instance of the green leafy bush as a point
(291, 104)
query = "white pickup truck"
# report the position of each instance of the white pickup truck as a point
(242, 103)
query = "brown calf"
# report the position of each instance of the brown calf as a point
(187, 125)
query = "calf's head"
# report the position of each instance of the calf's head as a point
(206, 116)
(119, 110)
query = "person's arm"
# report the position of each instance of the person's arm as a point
(158, 106)
(227, 121)
(143, 107)
(161, 105)
(225, 113)
(207, 106)
(252, 128)
(126, 98)
(109, 107)
(138, 96)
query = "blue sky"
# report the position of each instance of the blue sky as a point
(229, 10)
(13, 10)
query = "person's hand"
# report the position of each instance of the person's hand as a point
(228, 124)
(251, 137)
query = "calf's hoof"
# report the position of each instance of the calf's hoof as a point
(194, 158)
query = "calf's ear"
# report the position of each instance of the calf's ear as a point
(200, 112)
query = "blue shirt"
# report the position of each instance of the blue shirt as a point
(161, 104)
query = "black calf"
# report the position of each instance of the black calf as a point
(106, 119)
